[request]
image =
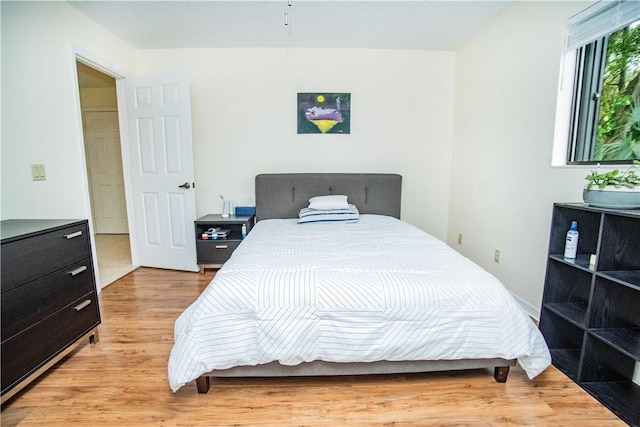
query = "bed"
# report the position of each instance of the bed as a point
(368, 296)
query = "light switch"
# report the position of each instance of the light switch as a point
(37, 172)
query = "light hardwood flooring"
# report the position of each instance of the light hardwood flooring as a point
(122, 381)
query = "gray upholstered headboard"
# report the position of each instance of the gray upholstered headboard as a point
(282, 195)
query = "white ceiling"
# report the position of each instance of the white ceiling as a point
(375, 24)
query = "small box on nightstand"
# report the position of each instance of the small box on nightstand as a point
(245, 210)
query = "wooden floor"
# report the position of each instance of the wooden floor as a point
(122, 381)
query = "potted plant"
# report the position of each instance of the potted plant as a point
(613, 189)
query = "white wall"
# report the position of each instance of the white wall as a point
(481, 168)
(40, 106)
(502, 184)
(244, 119)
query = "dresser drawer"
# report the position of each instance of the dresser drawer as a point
(27, 259)
(35, 346)
(215, 251)
(25, 305)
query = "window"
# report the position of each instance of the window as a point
(605, 108)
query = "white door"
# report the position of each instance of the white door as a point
(104, 161)
(159, 126)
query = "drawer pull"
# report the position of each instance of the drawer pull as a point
(221, 246)
(72, 235)
(78, 270)
(82, 305)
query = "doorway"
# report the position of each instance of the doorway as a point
(103, 156)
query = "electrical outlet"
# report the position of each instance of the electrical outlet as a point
(37, 172)
(496, 256)
(460, 238)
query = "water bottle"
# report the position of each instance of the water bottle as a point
(571, 245)
(244, 231)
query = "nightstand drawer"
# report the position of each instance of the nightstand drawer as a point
(215, 251)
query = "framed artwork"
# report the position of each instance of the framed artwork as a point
(322, 112)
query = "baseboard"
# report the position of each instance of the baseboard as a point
(530, 309)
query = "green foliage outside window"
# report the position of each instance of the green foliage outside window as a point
(618, 134)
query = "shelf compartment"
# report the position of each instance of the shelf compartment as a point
(233, 235)
(575, 313)
(624, 277)
(568, 290)
(603, 363)
(624, 340)
(564, 340)
(607, 375)
(617, 306)
(588, 227)
(620, 246)
(621, 397)
(566, 360)
(581, 260)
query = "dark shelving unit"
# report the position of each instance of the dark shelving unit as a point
(591, 312)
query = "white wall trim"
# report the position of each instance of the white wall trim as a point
(530, 309)
(87, 58)
(97, 63)
(74, 56)
(563, 110)
(125, 146)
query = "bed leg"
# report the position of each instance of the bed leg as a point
(203, 383)
(500, 373)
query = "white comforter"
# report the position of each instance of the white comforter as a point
(378, 289)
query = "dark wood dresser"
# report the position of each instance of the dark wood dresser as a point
(49, 298)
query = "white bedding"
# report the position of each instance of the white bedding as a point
(377, 289)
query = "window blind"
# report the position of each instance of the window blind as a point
(600, 20)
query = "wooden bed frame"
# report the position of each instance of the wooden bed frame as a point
(282, 196)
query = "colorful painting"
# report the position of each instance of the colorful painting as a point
(324, 112)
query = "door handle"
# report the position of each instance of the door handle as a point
(186, 186)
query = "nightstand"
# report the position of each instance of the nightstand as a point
(212, 253)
